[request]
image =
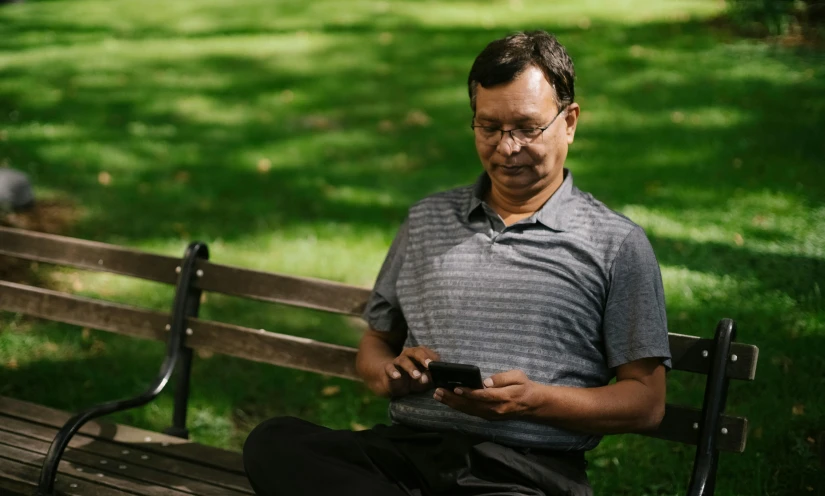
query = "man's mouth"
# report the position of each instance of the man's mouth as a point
(512, 167)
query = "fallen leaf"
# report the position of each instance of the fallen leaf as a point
(637, 51)
(385, 38)
(203, 298)
(653, 187)
(385, 125)
(264, 165)
(12, 364)
(287, 96)
(738, 239)
(759, 220)
(205, 354)
(584, 23)
(811, 440)
(51, 347)
(677, 117)
(417, 118)
(85, 334)
(316, 122)
(4, 135)
(331, 390)
(358, 427)
(77, 285)
(104, 178)
(798, 409)
(182, 177)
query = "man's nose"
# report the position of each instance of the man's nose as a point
(507, 145)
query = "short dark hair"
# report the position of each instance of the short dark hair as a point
(504, 59)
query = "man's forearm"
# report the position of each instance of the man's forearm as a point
(624, 406)
(373, 355)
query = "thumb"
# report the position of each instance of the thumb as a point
(503, 379)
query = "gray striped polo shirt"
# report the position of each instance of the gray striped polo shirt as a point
(565, 295)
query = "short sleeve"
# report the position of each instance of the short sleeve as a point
(635, 321)
(383, 311)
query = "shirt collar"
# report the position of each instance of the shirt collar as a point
(554, 213)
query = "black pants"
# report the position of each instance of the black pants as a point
(286, 456)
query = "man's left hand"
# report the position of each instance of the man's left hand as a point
(506, 395)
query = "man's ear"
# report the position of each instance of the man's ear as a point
(571, 120)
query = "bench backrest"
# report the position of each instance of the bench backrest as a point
(690, 353)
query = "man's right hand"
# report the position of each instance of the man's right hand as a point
(388, 368)
(408, 373)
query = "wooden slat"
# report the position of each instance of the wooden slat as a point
(138, 463)
(20, 478)
(289, 290)
(108, 477)
(91, 255)
(154, 442)
(9, 487)
(277, 349)
(687, 355)
(116, 467)
(264, 286)
(251, 344)
(61, 307)
(677, 425)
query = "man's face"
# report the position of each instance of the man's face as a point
(523, 170)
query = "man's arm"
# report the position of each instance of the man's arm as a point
(635, 402)
(375, 350)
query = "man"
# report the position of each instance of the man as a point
(545, 289)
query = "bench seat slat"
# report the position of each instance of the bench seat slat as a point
(90, 476)
(687, 355)
(18, 478)
(677, 425)
(176, 447)
(160, 469)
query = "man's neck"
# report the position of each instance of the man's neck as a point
(513, 208)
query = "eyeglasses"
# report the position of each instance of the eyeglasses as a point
(490, 135)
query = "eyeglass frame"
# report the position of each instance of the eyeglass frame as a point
(510, 131)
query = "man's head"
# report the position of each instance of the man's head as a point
(523, 82)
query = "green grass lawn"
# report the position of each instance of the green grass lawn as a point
(292, 137)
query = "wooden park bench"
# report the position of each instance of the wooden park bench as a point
(90, 457)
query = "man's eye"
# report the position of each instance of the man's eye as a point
(489, 129)
(531, 132)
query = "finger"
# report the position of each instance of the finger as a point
(392, 371)
(404, 363)
(422, 355)
(488, 395)
(504, 379)
(457, 402)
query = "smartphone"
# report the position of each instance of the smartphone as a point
(452, 375)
